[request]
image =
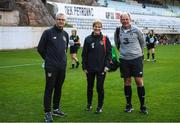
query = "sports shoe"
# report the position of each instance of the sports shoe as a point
(48, 117)
(72, 66)
(58, 113)
(154, 60)
(88, 108)
(99, 110)
(148, 60)
(77, 64)
(143, 110)
(128, 108)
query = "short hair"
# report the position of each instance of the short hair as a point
(125, 13)
(61, 14)
(152, 31)
(74, 29)
(97, 22)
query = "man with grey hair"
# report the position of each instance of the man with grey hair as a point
(52, 48)
(130, 42)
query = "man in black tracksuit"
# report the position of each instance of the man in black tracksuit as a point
(52, 48)
(96, 56)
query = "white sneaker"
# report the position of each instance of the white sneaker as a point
(153, 60)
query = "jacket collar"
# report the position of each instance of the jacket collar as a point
(58, 29)
(130, 29)
(96, 36)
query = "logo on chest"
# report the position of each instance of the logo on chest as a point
(54, 37)
(92, 45)
(64, 38)
(101, 43)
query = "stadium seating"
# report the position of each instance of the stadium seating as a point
(87, 23)
(161, 20)
(167, 24)
(138, 9)
(175, 9)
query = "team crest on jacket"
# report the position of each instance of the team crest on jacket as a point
(64, 38)
(92, 45)
(101, 42)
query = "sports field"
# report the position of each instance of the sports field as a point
(22, 87)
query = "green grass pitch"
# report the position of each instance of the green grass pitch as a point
(22, 89)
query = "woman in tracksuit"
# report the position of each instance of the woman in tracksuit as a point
(96, 56)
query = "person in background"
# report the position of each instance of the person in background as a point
(96, 56)
(130, 42)
(150, 43)
(52, 48)
(74, 46)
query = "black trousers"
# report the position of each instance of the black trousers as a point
(99, 87)
(54, 82)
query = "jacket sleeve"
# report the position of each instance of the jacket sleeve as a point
(108, 55)
(147, 39)
(84, 54)
(42, 45)
(78, 40)
(155, 39)
(67, 37)
(116, 40)
(141, 40)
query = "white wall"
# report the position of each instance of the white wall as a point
(28, 37)
(19, 37)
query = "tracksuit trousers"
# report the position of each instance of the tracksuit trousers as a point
(99, 87)
(54, 82)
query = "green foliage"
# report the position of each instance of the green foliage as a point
(68, 25)
(22, 88)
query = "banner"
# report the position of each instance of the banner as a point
(89, 12)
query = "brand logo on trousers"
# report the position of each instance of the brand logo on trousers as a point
(49, 74)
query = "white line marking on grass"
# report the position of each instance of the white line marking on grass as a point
(19, 65)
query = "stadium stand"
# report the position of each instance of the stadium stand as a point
(161, 20)
(138, 8)
(175, 9)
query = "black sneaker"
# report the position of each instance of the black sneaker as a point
(88, 108)
(128, 108)
(144, 110)
(99, 110)
(77, 64)
(58, 113)
(48, 117)
(72, 66)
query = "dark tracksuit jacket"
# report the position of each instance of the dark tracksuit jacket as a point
(94, 59)
(52, 48)
(94, 56)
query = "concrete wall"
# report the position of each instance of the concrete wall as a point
(28, 37)
(19, 37)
